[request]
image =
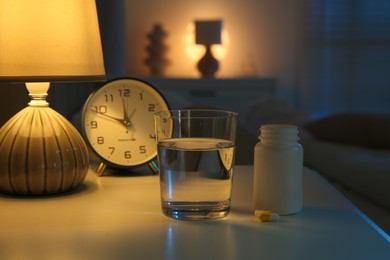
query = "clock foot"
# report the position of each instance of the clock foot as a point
(153, 166)
(100, 169)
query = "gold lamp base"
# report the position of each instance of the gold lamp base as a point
(40, 151)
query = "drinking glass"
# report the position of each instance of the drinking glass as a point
(196, 158)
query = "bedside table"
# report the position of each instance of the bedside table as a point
(119, 217)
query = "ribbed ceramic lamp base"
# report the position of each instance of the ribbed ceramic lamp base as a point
(41, 153)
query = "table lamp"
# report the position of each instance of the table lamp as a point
(208, 33)
(40, 42)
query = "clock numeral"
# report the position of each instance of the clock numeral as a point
(94, 124)
(109, 98)
(100, 140)
(112, 149)
(100, 109)
(124, 92)
(152, 136)
(141, 97)
(127, 154)
(142, 149)
(152, 107)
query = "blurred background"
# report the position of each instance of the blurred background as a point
(325, 56)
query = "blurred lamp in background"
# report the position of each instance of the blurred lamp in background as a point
(208, 33)
(40, 42)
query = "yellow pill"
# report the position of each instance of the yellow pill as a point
(266, 216)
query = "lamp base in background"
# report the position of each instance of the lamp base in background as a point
(208, 65)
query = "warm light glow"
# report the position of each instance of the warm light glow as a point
(195, 52)
(55, 39)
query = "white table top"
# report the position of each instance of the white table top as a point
(119, 217)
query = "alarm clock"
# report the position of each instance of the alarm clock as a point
(118, 124)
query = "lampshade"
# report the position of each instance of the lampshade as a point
(42, 41)
(49, 40)
(208, 32)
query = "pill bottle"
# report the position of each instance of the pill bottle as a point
(278, 168)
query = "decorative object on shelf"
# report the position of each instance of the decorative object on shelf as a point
(41, 42)
(157, 49)
(118, 124)
(208, 33)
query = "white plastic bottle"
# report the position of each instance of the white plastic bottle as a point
(278, 168)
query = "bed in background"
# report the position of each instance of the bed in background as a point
(353, 152)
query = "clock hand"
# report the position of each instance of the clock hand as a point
(121, 121)
(129, 125)
(125, 116)
(131, 115)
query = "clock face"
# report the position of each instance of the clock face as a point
(118, 122)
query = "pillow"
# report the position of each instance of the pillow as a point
(372, 130)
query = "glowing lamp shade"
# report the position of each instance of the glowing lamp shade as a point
(41, 42)
(49, 40)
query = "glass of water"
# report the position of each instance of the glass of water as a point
(196, 158)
